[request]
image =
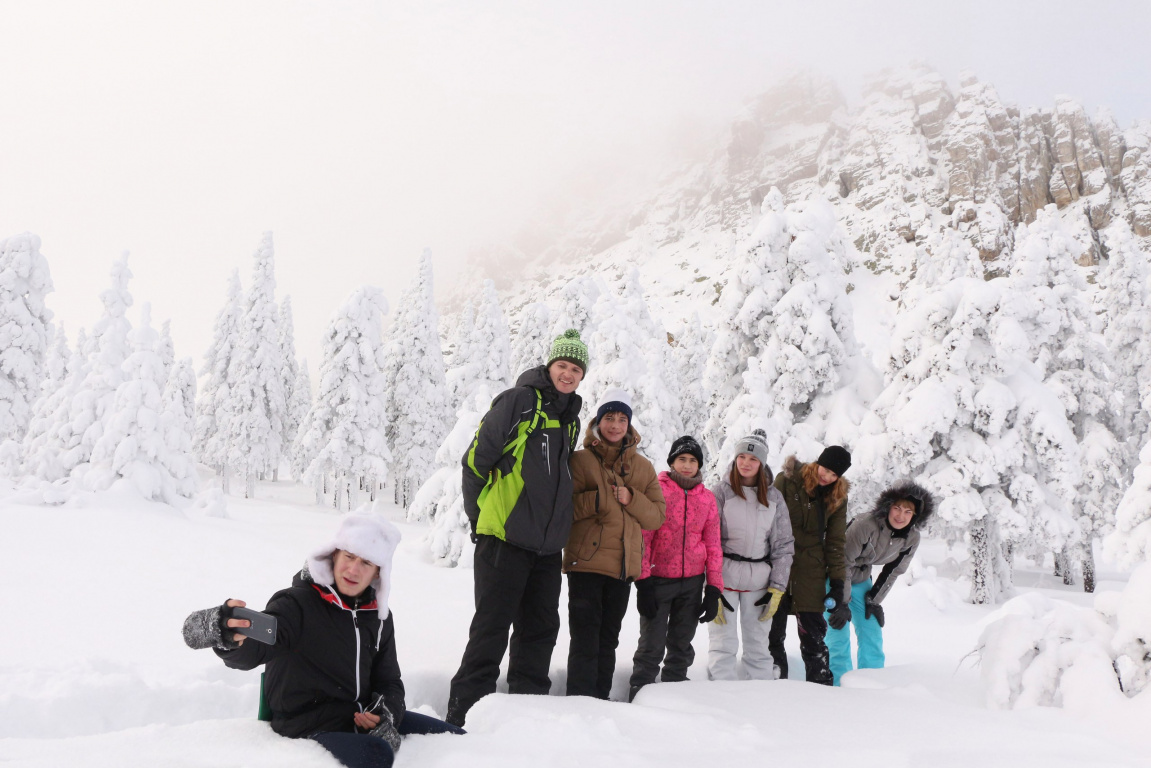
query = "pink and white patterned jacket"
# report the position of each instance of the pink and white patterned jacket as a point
(688, 542)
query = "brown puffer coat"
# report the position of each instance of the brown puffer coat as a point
(605, 536)
(819, 538)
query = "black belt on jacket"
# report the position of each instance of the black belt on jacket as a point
(742, 559)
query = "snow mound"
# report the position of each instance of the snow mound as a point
(1036, 651)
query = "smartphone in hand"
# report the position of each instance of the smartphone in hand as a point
(263, 627)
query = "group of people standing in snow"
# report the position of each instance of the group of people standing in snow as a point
(740, 557)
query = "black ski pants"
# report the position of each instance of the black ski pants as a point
(812, 647)
(515, 589)
(596, 607)
(667, 636)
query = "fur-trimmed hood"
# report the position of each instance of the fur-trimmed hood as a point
(791, 467)
(367, 535)
(918, 495)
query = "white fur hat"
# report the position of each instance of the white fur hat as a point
(367, 535)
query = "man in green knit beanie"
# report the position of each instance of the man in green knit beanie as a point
(518, 496)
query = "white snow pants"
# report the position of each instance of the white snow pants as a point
(724, 640)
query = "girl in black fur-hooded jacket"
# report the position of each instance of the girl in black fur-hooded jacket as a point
(887, 536)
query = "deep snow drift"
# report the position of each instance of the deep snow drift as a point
(93, 670)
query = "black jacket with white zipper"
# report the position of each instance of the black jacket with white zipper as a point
(318, 678)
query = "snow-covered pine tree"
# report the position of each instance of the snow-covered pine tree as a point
(479, 377)
(532, 341)
(416, 391)
(803, 385)
(440, 498)
(44, 444)
(483, 349)
(107, 349)
(631, 352)
(25, 325)
(299, 406)
(289, 375)
(756, 280)
(216, 405)
(458, 363)
(946, 417)
(256, 429)
(167, 348)
(689, 360)
(56, 366)
(1129, 543)
(142, 442)
(344, 430)
(1123, 308)
(180, 394)
(575, 309)
(1074, 469)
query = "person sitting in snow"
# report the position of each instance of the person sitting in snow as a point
(888, 536)
(320, 684)
(617, 500)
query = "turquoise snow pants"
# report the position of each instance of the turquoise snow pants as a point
(868, 637)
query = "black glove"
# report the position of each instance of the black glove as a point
(872, 608)
(839, 616)
(712, 597)
(835, 592)
(209, 629)
(386, 730)
(645, 600)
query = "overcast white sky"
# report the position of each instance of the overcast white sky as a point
(360, 132)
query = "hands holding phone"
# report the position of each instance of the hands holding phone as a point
(237, 638)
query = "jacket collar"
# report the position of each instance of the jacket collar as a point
(330, 595)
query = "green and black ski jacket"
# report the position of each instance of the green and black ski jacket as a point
(516, 483)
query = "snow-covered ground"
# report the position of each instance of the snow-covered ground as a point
(93, 670)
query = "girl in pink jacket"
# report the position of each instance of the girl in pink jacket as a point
(671, 595)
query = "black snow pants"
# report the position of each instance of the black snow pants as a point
(596, 607)
(518, 590)
(667, 636)
(813, 649)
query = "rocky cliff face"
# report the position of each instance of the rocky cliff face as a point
(912, 158)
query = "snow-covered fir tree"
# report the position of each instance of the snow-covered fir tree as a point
(180, 394)
(167, 348)
(343, 433)
(440, 499)
(56, 365)
(689, 361)
(79, 429)
(416, 390)
(575, 308)
(1129, 543)
(1123, 307)
(256, 427)
(630, 351)
(756, 280)
(483, 348)
(25, 327)
(804, 383)
(44, 444)
(143, 442)
(299, 406)
(479, 377)
(1071, 478)
(946, 417)
(457, 363)
(533, 340)
(216, 405)
(289, 374)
